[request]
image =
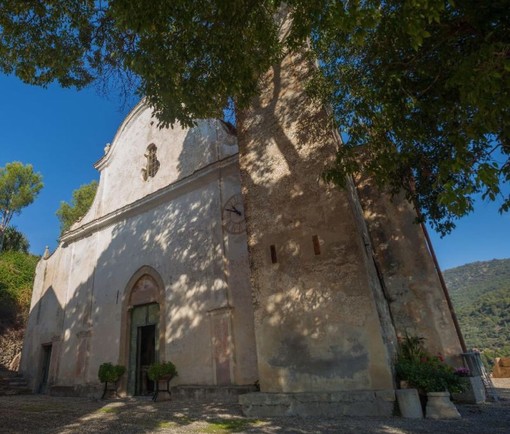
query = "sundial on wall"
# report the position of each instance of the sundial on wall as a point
(233, 215)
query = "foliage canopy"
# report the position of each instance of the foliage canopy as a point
(19, 186)
(422, 86)
(109, 373)
(157, 371)
(14, 241)
(82, 199)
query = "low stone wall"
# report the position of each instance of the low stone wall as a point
(89, 391)
(227, 394)
(333, 404)
(209, 393)
(474, 394)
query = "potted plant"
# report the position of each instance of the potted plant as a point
(409, 402)
(431, 376)
(109, 373)
(475, 392)
(164, 371)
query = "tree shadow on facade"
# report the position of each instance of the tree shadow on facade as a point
(178, 240)
(43, 361)
(318, 326)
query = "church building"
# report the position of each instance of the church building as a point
(222, 250)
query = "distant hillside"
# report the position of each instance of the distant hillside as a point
(480, 293)
(16, 276)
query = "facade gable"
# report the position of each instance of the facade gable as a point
(179, 152)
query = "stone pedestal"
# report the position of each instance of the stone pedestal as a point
(409, 403)
(475, 392)
(439, 406)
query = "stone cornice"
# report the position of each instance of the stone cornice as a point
(148, 202)
(136, 111)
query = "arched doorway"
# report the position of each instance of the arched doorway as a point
(143, 347)
(143, 329)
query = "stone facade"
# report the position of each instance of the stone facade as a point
(316, 286)
(231, 257)
(158, 244)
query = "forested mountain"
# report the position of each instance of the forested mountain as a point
(480, 292)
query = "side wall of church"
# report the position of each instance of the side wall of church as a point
(317, 324)
(414, 293)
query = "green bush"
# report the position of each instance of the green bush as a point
(157, 371)
(425, 372)
(109, 373)
(17, 271)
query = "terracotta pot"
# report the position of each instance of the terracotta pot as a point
(439, 406)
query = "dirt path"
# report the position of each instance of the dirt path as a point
(45, 414)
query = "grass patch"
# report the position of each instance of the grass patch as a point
(36, 408)
(229, 425)
(162, 424)
(155, 424)
(182, 420)
(109, 410)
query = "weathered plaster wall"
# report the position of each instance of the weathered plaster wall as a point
(82, 295)
(414, 293)
(180, 152)
(316, 322)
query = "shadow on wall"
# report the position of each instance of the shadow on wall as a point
(313, 306)
(182, 240)
(43, 340)
(311, 270)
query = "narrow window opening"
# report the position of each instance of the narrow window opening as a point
(316, 245)
(274, 260)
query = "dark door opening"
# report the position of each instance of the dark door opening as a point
(145, 356)
(45, 368)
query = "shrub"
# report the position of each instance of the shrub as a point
(157, 371)
(17, 272)
(109, 373)
(425, 372)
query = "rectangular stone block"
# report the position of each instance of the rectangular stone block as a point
(352, 403)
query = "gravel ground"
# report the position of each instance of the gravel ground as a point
(45, 414)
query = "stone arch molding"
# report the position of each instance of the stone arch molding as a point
(144, 287)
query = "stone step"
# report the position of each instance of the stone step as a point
(210, 393)
(15, 391)
(326, 404)
(11, 383)
(14, 382)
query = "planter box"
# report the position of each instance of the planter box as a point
(409, 403)
(439, 406)
(475, 393)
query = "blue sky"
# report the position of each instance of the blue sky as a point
(62, 132)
